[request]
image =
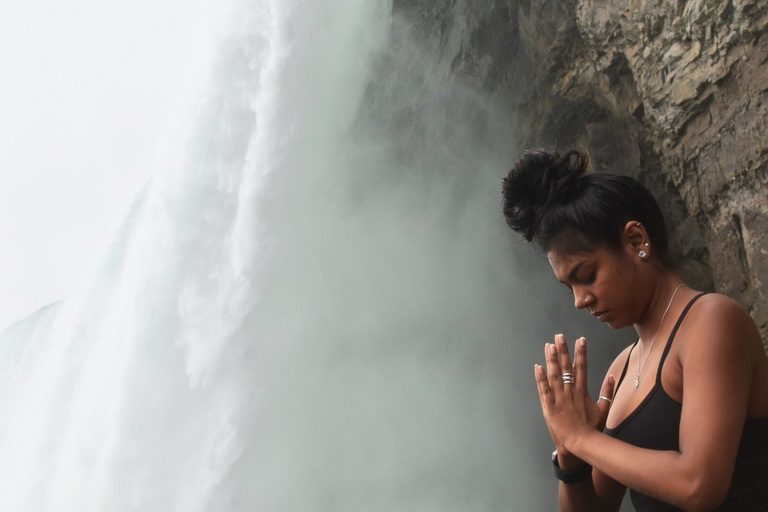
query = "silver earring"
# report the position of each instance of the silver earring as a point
(642, 255)
(646, 244)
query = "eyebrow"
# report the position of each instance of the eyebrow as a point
(574, 271)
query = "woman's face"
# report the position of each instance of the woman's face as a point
(604, 282)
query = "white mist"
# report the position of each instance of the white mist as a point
(314, 306)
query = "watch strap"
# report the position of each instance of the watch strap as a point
(570, 476)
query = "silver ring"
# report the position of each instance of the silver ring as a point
(604, 398)
(568, 378)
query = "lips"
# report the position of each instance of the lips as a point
(600, 315)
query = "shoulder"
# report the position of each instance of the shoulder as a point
(719, 326)
(719, 302)
(717, 312)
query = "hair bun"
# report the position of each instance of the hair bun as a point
(540, 178)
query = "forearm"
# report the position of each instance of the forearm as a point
(664, 475)
(581, 496)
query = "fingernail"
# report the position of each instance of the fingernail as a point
(611, 379)
(552, 350)
(582, 341)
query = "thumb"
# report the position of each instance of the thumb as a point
(606, 398)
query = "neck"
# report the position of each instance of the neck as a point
(651, 320)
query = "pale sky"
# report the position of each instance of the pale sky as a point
(87, 88)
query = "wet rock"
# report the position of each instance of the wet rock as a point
(675, 93)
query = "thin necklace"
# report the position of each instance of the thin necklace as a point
(640, 355)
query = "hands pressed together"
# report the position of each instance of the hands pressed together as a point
(568, 409)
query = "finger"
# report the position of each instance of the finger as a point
(555, 375)
(606, 397)
(580, 366)
(545, 392)
(563, 357)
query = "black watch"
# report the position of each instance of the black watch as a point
(570, 476)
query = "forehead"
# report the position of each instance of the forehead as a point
(562, 263)
(565, 263)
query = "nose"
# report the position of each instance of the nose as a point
(581, 298)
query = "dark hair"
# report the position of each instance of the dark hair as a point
(551, 201)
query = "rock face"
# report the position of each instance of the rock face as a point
(674, 93)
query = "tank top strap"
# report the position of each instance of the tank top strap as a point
(624, 371)
(672, 336)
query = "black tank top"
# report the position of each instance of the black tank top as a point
(655, 424)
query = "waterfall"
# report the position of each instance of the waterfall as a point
(313, 306)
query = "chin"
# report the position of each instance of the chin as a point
(617, 323)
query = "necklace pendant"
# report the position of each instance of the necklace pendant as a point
(637, 380)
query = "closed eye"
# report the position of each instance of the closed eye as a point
(590, 279)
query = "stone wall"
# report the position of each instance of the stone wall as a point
(672, 92)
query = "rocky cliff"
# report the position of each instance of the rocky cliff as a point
(674, 92)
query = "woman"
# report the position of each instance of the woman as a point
(682, 416)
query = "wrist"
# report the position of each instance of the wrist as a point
(570, 476)
(575, 443)
(567, 460)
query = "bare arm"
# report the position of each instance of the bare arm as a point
(599, 493)
(718, 364)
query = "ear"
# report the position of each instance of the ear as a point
(636, 238)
